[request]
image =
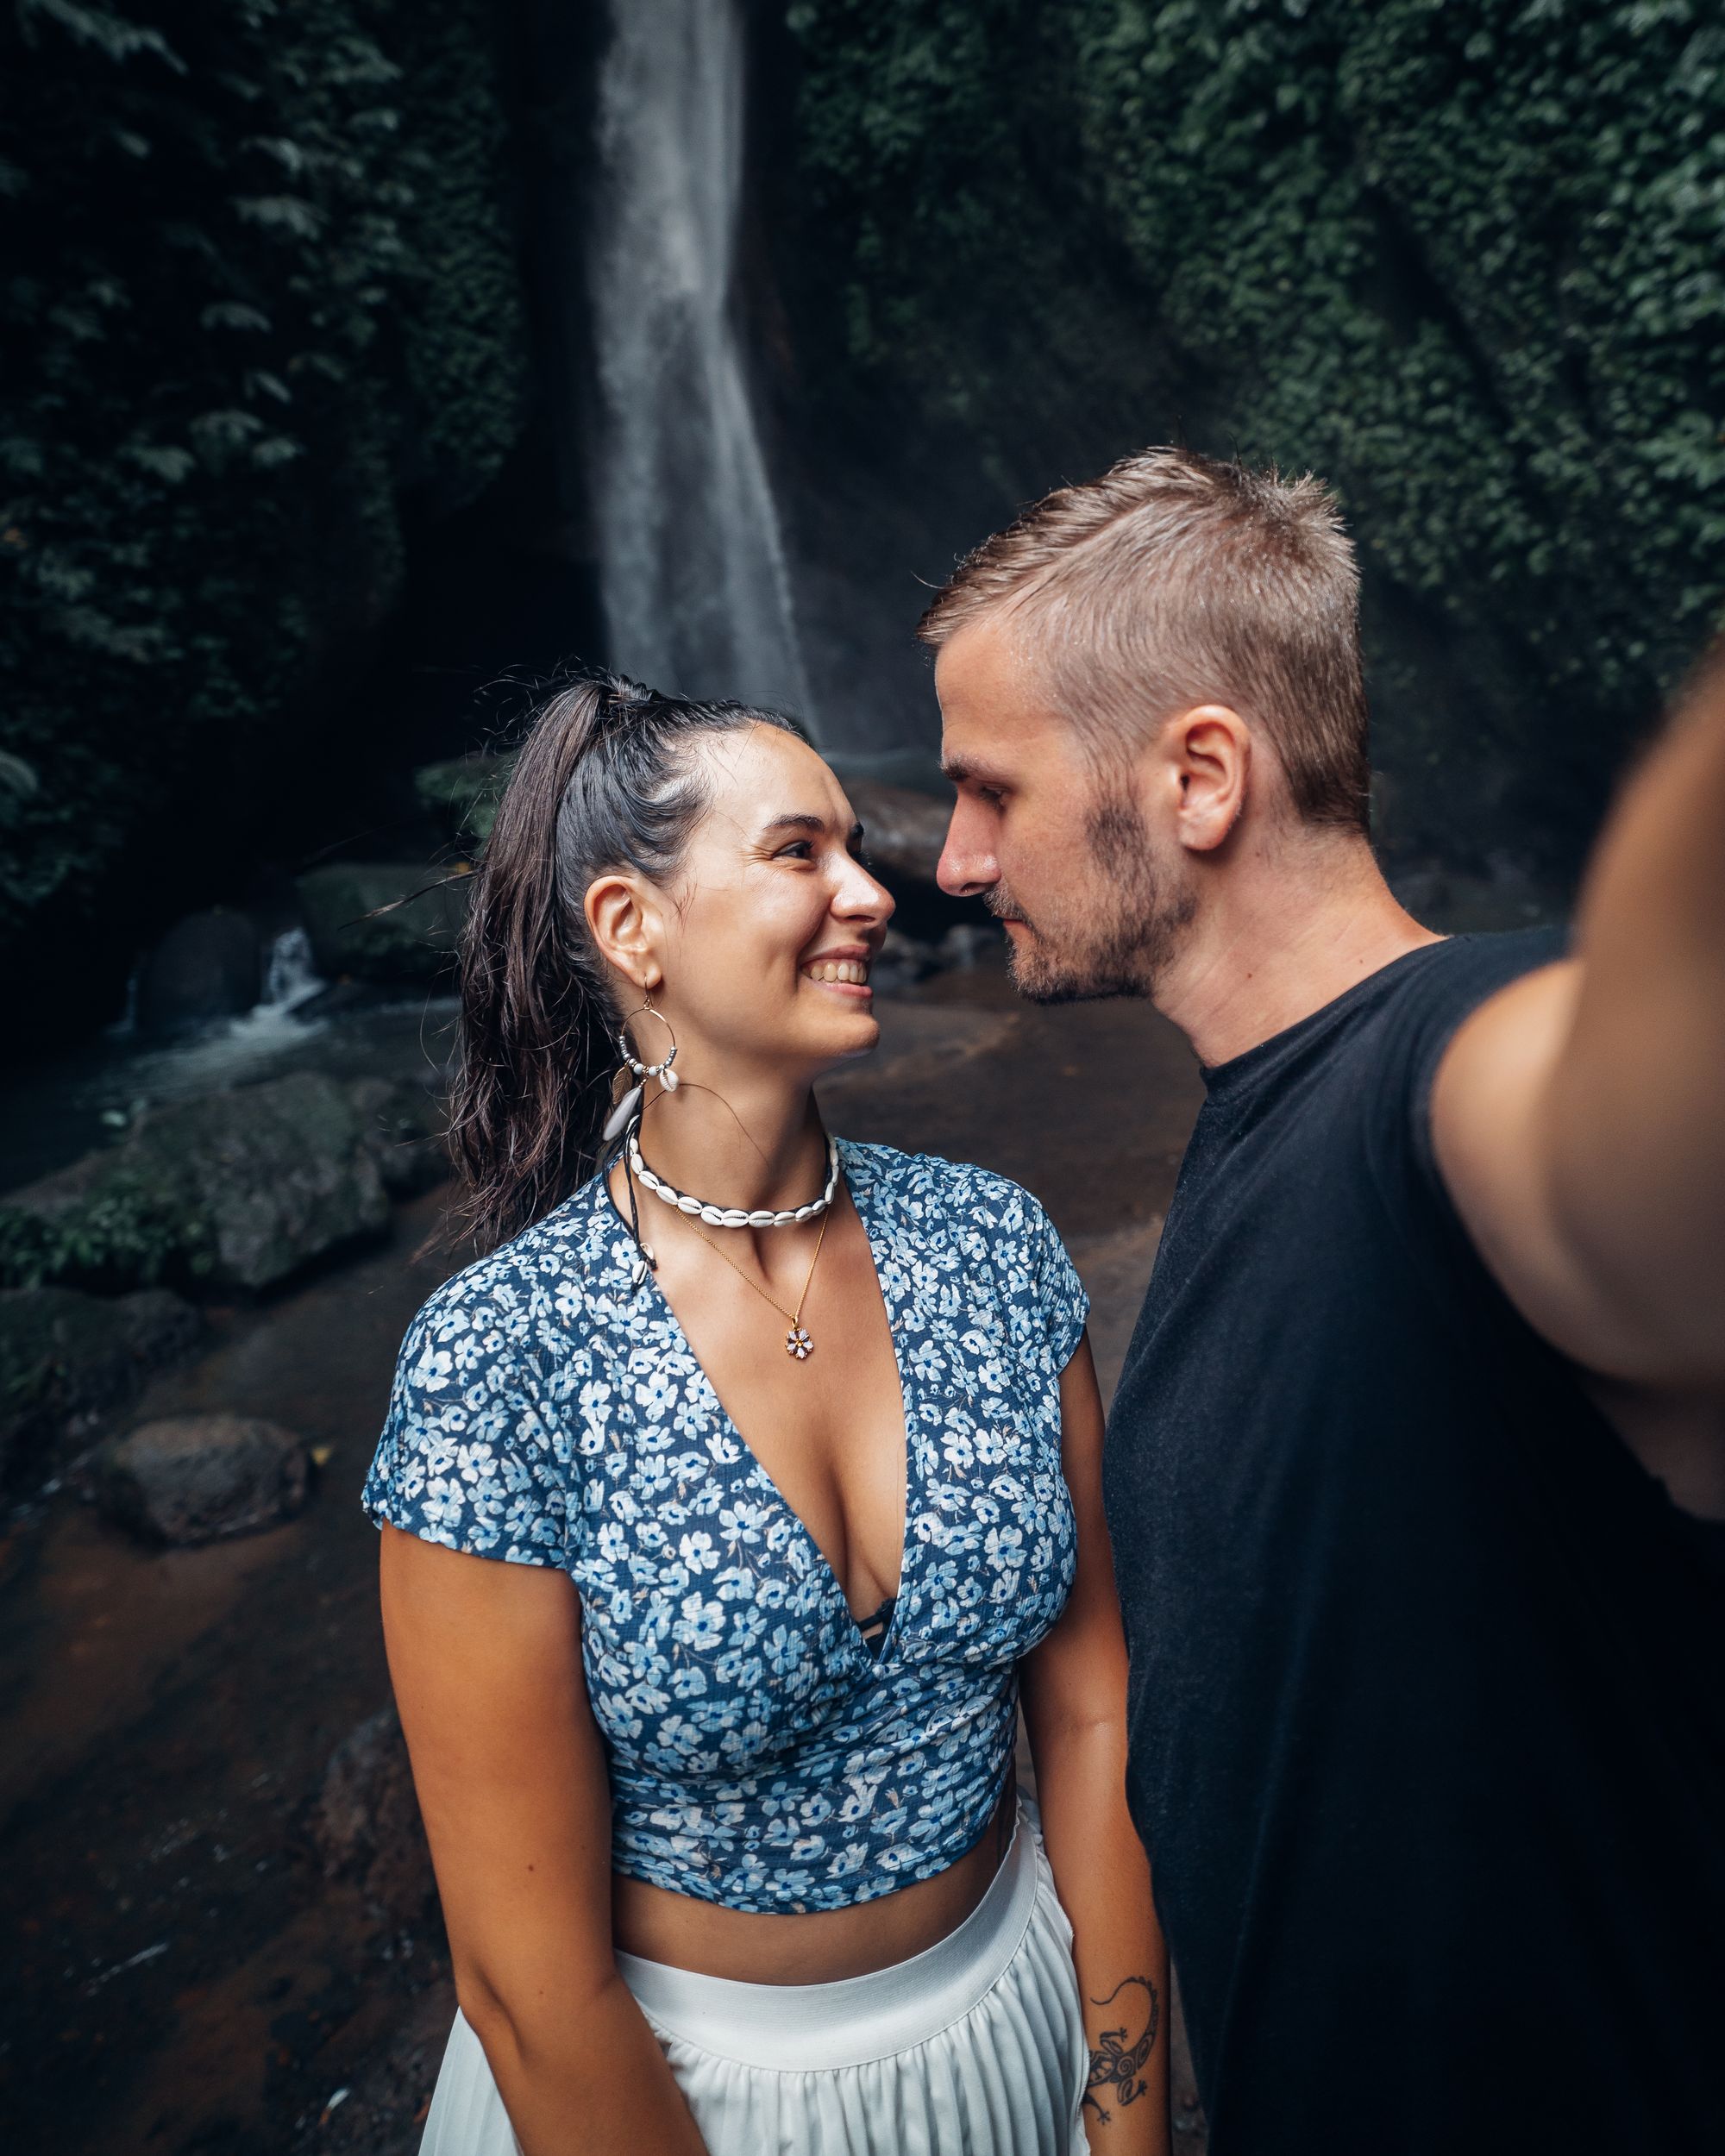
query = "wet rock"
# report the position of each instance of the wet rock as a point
(384, 2115)
(968, 943)
(366, 1819)
(209, 966)
(200, 1478)
(903, 962)
(404, 1130)
(239, 1188)
(414, 941)
(904, 831)
(66, 1357)
(282, 1174)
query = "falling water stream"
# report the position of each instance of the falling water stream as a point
(693, 574)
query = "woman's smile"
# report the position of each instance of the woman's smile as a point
(844, 971)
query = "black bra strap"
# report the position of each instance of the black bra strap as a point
(874, 1627)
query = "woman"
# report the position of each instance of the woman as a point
(790, 1450)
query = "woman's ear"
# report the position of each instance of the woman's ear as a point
(626, 927)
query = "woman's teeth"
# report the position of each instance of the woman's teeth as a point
(851, 969)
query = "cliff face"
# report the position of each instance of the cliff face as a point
(302, 364)
(1461, 259)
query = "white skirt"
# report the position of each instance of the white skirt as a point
(974, 2047)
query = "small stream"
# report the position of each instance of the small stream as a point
(54, 1111)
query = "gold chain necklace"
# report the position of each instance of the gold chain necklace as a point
(798, 1345)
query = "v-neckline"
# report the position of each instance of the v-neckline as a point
(874, 1658)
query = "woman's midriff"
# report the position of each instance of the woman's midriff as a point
(823, 1947)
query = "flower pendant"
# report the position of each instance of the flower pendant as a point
(797, 1344)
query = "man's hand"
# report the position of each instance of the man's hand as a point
(1579, 1114)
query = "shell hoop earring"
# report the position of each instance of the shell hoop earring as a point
(623, 1113)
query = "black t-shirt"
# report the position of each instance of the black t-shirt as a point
(1427, 1698)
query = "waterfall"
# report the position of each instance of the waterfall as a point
(291, 977)
(691, 566)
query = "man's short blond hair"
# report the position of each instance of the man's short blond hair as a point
(1176, 580)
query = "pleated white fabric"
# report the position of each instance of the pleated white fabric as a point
(976, 2047)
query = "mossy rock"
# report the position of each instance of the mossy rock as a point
(240, 1189)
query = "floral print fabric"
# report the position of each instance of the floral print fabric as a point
(547, 1411)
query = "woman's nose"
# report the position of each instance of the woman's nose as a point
(862, 896)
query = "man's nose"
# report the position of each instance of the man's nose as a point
(967, 864)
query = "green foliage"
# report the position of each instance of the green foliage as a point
(1464, 257)
(464, 794)
(132, 1231)
(258, 283)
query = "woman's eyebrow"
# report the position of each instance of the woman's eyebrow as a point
(803, 822)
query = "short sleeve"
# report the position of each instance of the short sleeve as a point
(1058, 1303)
(468, 1458)
(1436, 999)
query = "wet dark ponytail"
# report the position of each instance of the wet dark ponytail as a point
(604, 778)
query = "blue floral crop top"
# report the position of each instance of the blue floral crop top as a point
(547, 1411)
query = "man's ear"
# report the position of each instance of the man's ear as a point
(1206, 754)
(625, 925)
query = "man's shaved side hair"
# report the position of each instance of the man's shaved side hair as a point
(1176, 579)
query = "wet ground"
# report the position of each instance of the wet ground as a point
(180, 1977)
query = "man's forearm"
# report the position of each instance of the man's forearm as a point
(1636, 1144)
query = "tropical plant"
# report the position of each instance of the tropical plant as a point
(259, 282)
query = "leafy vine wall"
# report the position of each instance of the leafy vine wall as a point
(1466, 257)
(261, 292)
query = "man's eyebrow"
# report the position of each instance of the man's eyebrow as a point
(955, 769)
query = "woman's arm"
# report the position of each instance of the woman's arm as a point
(486, 1659)
(1075, 1708)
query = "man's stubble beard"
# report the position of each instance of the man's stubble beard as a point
(1139, 920)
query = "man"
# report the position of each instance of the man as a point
(1417, 1470)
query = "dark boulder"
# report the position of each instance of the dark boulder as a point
(66, 1358)
(403, 1129)
(200, 1478)
(366, 1819)
(209, 966)
(903, 832)
(385, 921)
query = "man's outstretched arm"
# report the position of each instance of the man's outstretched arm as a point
(1579, 1114)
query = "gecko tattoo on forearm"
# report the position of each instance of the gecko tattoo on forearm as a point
(1113, 2066)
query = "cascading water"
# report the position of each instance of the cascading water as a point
(691, 570)
(290, 977)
